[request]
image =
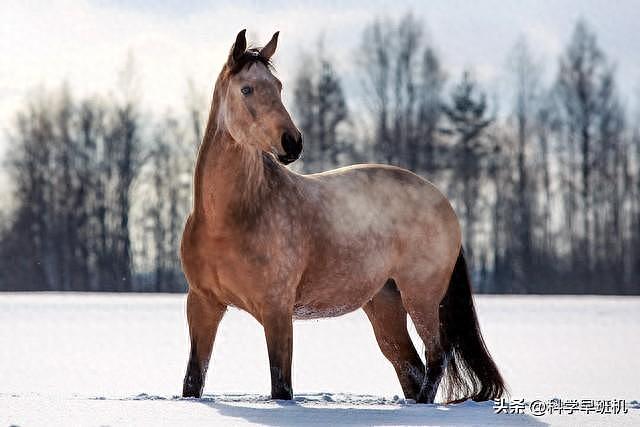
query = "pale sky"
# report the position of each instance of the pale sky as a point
(43, 43)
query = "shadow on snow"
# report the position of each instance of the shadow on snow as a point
(349, 409)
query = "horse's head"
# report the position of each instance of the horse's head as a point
(251, 103)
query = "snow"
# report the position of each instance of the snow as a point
(102, 359)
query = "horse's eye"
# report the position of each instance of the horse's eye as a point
(246, 90)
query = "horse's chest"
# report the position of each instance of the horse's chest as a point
(248, 271)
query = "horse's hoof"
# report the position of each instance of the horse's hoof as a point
(192, 393)
(426, 398)
(282, 395)
(192, 389)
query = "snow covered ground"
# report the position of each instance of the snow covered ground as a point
(119, 360)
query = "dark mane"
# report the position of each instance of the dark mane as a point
(250, 57)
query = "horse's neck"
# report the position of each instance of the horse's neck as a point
(228, 177)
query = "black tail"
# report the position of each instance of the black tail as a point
(471, 373)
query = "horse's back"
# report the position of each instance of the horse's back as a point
(372, 198)
(387, 181)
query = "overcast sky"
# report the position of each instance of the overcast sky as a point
(43, 43)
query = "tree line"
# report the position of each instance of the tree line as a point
(546, 184)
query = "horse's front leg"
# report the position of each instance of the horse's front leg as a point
(278, 330)
(204, 314)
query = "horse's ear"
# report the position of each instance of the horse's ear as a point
(270, 48)
(238, 47)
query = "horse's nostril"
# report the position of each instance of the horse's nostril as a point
(291, 146)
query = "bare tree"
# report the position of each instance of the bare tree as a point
(586, 97)
(167, 172)
(526, 96)
(321, 112)
(468, 117)
(402, 83)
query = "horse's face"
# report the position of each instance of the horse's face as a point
(252, 106)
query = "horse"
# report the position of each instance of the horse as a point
(284, 246)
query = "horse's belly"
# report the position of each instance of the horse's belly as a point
(331, 293)
(318, 311)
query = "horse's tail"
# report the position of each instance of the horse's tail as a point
(471, 372)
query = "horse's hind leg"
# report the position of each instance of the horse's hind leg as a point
(423, 306)
(204, 315)
(389, 320)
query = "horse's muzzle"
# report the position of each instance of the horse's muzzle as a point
(292, 148)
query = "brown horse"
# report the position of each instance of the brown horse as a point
(285, 246)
